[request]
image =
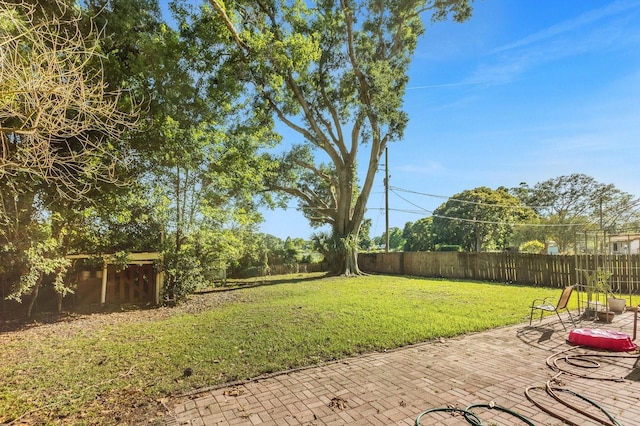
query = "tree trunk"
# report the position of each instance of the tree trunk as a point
(34, 297)
(345, 260)
(351, 262)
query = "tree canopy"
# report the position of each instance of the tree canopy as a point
(574, 203)
(479, 218)
(61, 135)
(202, 168)
(56, 111)
(334, 73)
(86, 168)
(419, 235)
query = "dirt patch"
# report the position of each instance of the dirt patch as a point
(128, 406)
(67, 323)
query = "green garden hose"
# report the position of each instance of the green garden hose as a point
(503, 409)
(473, 418)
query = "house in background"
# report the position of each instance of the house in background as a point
(140, 282)
(624, 244)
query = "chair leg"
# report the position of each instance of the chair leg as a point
(531, 316)
(541, 313)
(571, 317)
(561, 322)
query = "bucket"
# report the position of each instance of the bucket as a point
(616, 305)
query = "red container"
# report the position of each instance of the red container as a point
(601, 339)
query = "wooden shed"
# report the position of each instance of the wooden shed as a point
(138, 283)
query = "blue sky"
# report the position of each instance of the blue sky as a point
(525, 91)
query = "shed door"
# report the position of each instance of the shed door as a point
(135, 284)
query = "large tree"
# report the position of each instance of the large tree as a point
(419, 235)
(574, 203)
(479, 218)
(197, 154)
(334, 73)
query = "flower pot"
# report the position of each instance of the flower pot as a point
(605, 316)
(617, 305)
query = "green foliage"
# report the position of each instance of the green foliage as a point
(270, 250)
(335, 74)
(577, 202)
(73, 149)
(290, 252)
(332, 247)
(396, 239)
(41, 259)
(533, 246)
(419, 235)
(203, 169)
(448, 247)
(183, 274)
(479, 219)
(364, 238)
(597, 283)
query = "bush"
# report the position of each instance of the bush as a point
(448, 247)
(183, 275)
(533, 246)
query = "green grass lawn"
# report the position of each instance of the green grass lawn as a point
(85, 373)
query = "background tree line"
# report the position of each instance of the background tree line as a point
(525, 217)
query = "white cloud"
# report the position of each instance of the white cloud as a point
(579, 22)
(611, 27)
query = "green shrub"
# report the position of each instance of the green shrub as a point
(448, 247)
(533, 246)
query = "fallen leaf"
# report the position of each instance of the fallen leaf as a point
(233, 392)
(339, 403)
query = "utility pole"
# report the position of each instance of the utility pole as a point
(386, 198)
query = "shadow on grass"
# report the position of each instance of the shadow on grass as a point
(239, 285)
(16, 320)
(472, 281)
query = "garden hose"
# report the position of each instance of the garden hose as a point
(612, 419)
(503, 409)
(551, 391)
(527, 393)
(584, 361)
(471, 417)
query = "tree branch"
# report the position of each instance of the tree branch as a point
(227, 22)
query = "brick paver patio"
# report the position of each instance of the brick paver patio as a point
(393, 388)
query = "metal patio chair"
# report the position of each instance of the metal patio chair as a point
(544, 305)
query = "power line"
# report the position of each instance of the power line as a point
(458, 200)
(488, 222)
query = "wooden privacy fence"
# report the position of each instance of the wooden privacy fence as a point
(523, 268)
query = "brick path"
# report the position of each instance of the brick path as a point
(393, 388)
